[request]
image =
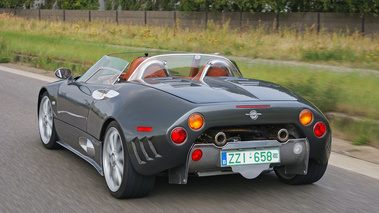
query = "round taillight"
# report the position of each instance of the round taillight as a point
(197, 155)
(319, 129)
(178, 135)
(196, 121)
(306, 117)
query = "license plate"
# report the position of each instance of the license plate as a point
(232, 158)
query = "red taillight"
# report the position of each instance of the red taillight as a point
(144, 129)
(197, 155)
(319, 129)
(178, 135)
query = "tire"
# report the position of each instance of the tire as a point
(46, 125)
(315, 172)
(121, 178)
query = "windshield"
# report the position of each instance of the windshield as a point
(116, 65)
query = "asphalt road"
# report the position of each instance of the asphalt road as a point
(33, 179)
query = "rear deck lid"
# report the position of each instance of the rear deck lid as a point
(221, 89)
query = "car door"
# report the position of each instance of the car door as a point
(75, 97)
(74, 102)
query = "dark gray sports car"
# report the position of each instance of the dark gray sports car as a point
(178, 114)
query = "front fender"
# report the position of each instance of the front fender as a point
(52, 91)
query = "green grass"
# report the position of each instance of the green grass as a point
(353, 93)
(5, 53)
(49, 52)
(58, 48)
(349, 92)
(352, 50)
(360, 132)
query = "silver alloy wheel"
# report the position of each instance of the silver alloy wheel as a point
(45, 120)
(113, 159)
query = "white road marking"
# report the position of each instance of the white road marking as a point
(28, 74)
(354, 165)
(338, 160)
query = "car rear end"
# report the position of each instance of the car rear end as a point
(250, 137)
(227, 125)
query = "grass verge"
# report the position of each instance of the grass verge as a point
(351, 49)
(361, 131)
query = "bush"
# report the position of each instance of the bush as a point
(360, 131)
(4, 51)
(330, 55)
(325, 97)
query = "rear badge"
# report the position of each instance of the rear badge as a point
(254, 114)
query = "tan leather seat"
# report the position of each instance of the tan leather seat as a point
(154, 72)
(132, 67)
(213, 71)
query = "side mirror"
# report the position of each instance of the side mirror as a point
(63, 73)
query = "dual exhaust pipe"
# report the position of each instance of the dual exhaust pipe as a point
(282, 135)
(221, 138)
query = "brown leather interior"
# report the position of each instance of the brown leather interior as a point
(123, 76)
(198, 75)
(157, 72)
(154, 72)
(132, 67)
(217, 71)
(213, 72)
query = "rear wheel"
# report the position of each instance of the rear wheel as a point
(46, 123)
(315, 171)
(121, 178)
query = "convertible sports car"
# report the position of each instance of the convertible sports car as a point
(181, 114)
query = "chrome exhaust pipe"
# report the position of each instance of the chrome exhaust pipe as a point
(220, 139)
(283, 135)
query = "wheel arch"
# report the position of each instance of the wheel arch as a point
(105, 126)
(52, 92)
(40, 95)
(133, 184)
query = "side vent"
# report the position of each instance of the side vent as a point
(144, 150)
(87, 146)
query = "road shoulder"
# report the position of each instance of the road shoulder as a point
(354, 165)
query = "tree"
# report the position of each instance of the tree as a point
(156, 5)
(215, 6)
(355, 6)
(124, 4)
(208, 5)
(132, 4)
(282, 6)
(16, 3)
(160, 5)
(48, 4)
(78, 4)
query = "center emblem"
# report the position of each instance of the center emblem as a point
(254, 114)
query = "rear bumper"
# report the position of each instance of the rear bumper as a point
(295, 162)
